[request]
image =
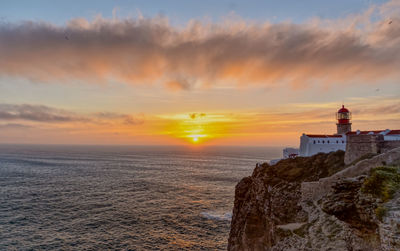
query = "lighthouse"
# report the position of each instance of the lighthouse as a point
(311, 144)
(343, 117)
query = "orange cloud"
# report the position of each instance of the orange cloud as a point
(151, 51)
(281, 125)
(46, 114)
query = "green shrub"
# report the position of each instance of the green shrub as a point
(380, 212)
(382, 182)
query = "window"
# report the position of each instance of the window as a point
(328, 141)
(314, 141)
(343, 141)
(344, 115)
(337, 141)
(318, 141)
(323, 142)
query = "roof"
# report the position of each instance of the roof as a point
(322, 136)
(390, 132)
(364, 132)
(343, 110)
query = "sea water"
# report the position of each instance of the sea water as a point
(120, 197)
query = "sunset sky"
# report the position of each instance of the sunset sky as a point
(195, 72)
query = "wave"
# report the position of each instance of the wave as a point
(214, 215)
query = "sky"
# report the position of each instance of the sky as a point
(195, 72)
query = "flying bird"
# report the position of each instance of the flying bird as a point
(66, 37)
(390, 22)
(377, 90)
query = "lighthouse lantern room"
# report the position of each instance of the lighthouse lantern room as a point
(343, 117)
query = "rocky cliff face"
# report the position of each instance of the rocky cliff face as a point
(272, 210)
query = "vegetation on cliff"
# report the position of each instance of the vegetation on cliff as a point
(304, 168)
(383, 182)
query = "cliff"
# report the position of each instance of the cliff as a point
(318, 203)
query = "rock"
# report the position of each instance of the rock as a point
(270, 212)
(348, 204)
(389, 228)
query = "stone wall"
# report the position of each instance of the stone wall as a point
(360, 145)
(315, 190)
(389, 145)
(343, 128)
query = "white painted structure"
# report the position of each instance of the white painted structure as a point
(290, 152)
(311, 144)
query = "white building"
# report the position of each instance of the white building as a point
(290, 152)
(311, 144)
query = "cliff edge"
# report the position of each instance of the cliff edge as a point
(318, 203)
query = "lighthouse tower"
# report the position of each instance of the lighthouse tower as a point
(343, 117)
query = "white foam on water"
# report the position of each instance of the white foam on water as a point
(215, 215)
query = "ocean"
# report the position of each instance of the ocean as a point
(120, 197)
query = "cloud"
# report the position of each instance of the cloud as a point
(179, 84)
(38, 113)
(125, 118)
(362, 47)
(131, 120)
(15, 126)
(196, 115)
(393, 109)
(278, 125)
(46, 114)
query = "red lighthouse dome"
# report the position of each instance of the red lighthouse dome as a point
(343, 110)
(343, 117)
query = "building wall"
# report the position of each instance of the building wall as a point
(317, 189)
(389, 145)
(310, 146)
(355, 145)
(343, 128)
(360, 145)
(287, 152)
(392, 137)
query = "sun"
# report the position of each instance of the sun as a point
(196, 138)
